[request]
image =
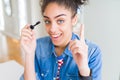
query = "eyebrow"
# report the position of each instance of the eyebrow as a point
(56, 16)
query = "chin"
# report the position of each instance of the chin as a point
(56, 43)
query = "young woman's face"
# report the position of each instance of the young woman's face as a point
(58, 23)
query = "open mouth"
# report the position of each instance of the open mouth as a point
(56, 36)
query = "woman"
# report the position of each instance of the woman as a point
(62, 55)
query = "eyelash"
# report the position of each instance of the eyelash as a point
(47, 22)
(58, 21)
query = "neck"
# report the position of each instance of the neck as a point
(59, 50)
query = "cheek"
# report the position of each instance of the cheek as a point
(69, 23)
(66, 30)
(68, 27)
(47, 29)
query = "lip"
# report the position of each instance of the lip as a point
(56, 37)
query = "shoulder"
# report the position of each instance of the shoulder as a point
(43, 39)
(44, 46)
(44, 42)
(94, 59)
(91, 44)
(93, 49)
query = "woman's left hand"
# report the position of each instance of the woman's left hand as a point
(79, 51)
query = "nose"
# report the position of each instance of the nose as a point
(53, 28)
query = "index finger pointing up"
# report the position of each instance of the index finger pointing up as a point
(82, 38)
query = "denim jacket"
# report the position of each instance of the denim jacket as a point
(46, 61)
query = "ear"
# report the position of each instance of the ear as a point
(74, 20)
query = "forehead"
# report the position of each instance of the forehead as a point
(53, 9)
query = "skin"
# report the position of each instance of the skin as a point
(58, 24)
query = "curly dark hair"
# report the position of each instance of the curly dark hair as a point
(69, 4)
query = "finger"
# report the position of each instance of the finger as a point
(26, 35)
(26, 39)
(72, 43)
(76, 50)
(27, 27)
(27, 31)
(82, 39)
(33, 34)
(76, 45)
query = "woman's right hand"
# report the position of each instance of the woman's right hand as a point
(28, 45)
(28, 41)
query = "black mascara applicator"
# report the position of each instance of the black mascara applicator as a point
(33, 26)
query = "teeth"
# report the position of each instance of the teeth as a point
(57, 35)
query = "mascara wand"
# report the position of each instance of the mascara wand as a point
(33, 26)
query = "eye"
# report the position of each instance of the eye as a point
(60, 21)
(47, 22)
